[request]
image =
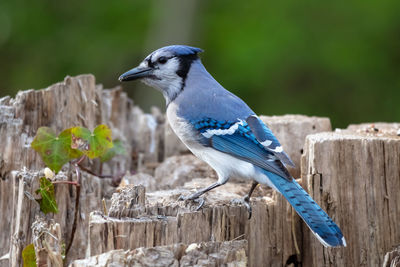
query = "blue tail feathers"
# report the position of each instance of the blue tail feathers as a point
(327, 232)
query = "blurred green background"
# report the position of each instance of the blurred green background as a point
(337, 59)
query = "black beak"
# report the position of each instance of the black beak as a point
(135, 74)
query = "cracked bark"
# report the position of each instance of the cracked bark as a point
(77, 101)
(359, 190)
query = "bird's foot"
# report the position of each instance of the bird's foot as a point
(244, 201)
(193, 198)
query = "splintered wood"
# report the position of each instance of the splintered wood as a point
(77, 101)
(165, 221)
(355, 176)
(25, 211)
(48, 242)
(196, 254)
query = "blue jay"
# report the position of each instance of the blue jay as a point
(219, 128)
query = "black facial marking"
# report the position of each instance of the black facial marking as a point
(149, 63)
(184, 65)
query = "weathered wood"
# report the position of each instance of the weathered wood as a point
(59, 106)
(175, 171)
(48, 243)
(76, 101)
(355, 177)
(232, 253)
(128, 202)
(392, 258)
(167, 221)
(377, 128)
(26, 210)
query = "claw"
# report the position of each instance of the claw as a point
(246, 202)
(249, 210)
(201, 203)
(193, 198)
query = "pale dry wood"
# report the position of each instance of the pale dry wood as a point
(59, 106)
(392, 258)
(355, 177)
(76, 101)
(165, 221)
(376, 128)
(48, 242)
(232, 253)
(26, 210)
(129, 201)
(175, 171)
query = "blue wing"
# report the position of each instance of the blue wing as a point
(264, 135)
(239, 140)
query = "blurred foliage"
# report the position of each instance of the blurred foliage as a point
(336, 59)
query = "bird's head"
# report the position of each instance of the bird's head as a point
(165, 69)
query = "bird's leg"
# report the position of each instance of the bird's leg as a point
(246, 198)
(196, 196)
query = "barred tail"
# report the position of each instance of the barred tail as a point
(327, 232)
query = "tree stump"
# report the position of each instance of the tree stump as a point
(163, 220)
(355, 177)
(231, 253)
(26, 211)
(77, 101)
(47, 240)
(392, 258)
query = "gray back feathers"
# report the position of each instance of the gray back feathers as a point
(202, 96)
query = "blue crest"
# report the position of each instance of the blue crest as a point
(181, 50)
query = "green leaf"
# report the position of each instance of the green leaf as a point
(29, 256)
(54, 150)
(117, 149)
(93, 144)
(66, 138)
(48, 202)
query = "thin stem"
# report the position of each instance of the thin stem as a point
(115, 178)
(78, 193)
(93, 173)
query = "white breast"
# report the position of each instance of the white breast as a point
(183, 129)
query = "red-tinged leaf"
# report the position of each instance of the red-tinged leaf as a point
(93, 144)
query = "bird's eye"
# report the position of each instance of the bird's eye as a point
(162, 60)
